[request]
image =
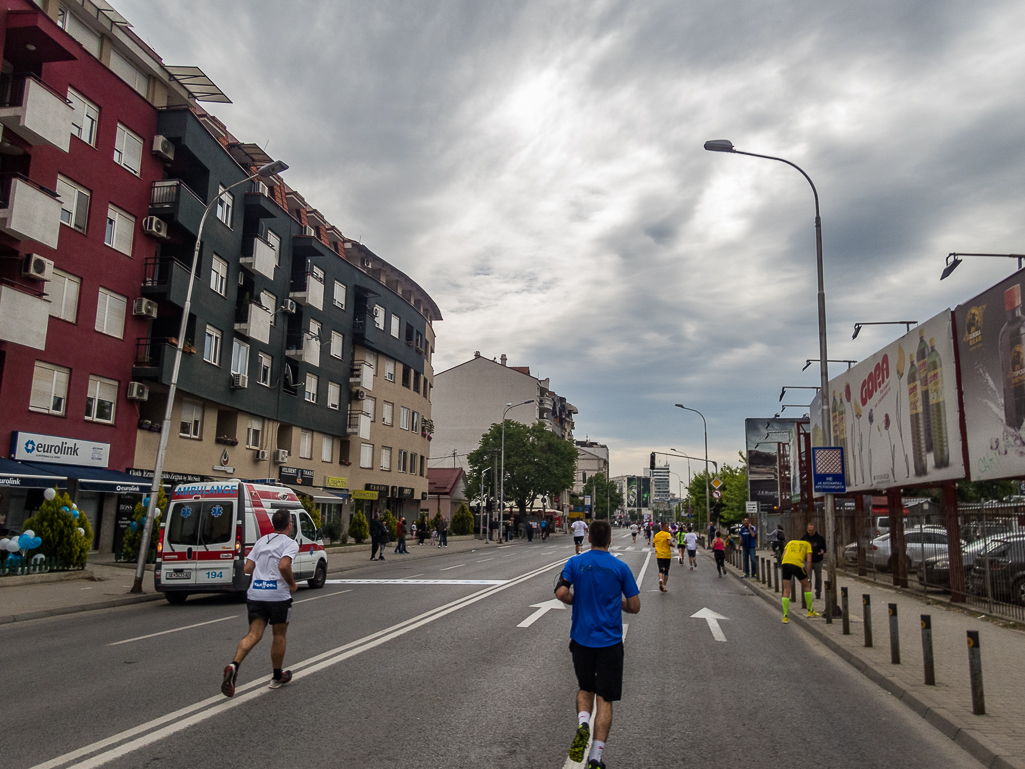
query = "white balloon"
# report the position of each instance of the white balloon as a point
(13, 546)
(156, 512)
(74, 506)
(81, 531)
(49, 495)
(29, 533)
(3, 543)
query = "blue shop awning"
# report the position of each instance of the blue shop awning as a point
(97, 478)
(24, 476)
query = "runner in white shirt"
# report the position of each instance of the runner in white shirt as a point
(579, 530)
(692, 546)
(633, 532)
(269, 599)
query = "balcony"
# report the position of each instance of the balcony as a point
(24, 317)
(34, 112)
(303, 347)
(310, 292)
(254, 322)
(28, 211)
(259, 256)
(166, 279)
(362, 375)
(154, 358)
(359, 424)
(258, 202)
(174, 202)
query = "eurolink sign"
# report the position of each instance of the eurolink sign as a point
(35, 447)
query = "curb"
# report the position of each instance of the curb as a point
(46, 578)
(974, 743)
(126, 601)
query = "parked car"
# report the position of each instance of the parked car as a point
(1004, 564)
(921, 542)
(935, 571)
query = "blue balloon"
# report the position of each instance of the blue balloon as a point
(65, 510)
(74, 513)
(146, 501)
(25, 542)
(133, 526)
(36, 542)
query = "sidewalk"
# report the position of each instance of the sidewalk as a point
(997, 739)
(105, 584)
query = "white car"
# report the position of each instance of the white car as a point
(920, 542)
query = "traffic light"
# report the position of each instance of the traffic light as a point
(651, 463)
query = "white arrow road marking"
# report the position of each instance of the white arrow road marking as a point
(542, 609)
(712, 619)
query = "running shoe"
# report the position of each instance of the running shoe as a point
(228, 684)
(786, 620)
(594, 763)
(576, 750)
(813, 613)
(277, 683)
(661, 584)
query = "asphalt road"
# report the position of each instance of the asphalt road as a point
(439, 675)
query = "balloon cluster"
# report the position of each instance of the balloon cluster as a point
(24, 543)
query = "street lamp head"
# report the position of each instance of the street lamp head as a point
(952, 265)
(272, 169)
(857, 328)
(719, 145)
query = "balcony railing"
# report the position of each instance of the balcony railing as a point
(24, 316)
(176, 202)
(34, 111)
(259, 256)
(29, 211)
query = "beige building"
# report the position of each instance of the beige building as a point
(592, 458)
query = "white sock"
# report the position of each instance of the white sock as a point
(583, 717)
(597, 746)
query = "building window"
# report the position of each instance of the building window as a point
(270, 302)
(379, 316)
(370, 407)
(327, 448)
(275, 242)
(239, 357)
(403, 418)
(334, 395)
(127, 71)
(85, 117)
(120, 230)
(416, 381)
(310, 393)
(403, 461)
(219, 275)
(191, 423)
(338, 298)
(412, 463)
(64, 289)
(212, 346)
(128, 150)
(405, 375)
(337, 344)
(254, 433)
(110, 313)
(366, 455)
(266, 366)
(314, 332)
(99, 403)
(395, 325)
(385, 458)
(225, 205)
(389, 369)
(49, 389)
(317, 273)
(387, 413)
(74, 203)
(371, 358)
(306, 444)
(415, 424)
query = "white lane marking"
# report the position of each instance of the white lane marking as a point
(626, 626)
(500, 547)
(258, 687)
(644, 568)
(175, 630)
(482, 560)
(417, 581)
(411, 576)
(449, 568)
(508, 555)
(542, 609)
(632, 549)
(712, 619)
(317, 598)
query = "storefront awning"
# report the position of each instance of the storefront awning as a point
(324, 497)
(24, 476)
(97, 478)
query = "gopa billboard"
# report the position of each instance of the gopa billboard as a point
(991, 344)
(895, 413)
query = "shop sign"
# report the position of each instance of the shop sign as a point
(296, 476)
(35, 447)
(173, 478)
(378, 487)
(335, 483)
(360, 494)
(405, 492)
(224, 467)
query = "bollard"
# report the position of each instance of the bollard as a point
(775, 576)
(894, 635)
(765, 566)
(975, 669)
(866, 601)
(930, 668)
(846, 616)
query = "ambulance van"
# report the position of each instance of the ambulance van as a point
(209, 528)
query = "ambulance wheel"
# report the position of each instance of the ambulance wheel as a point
(319, 576)
(177, 599)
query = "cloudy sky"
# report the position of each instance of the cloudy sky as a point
(538, 168)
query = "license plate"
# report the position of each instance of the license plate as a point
(178, 574)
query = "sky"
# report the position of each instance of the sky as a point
(537, 167)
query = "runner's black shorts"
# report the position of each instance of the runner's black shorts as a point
(692, 553)
(663, 565)
(273, 612)
(578, 540)
(599, 670)
(791, 571)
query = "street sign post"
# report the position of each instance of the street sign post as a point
(751, 508)
(717, 494)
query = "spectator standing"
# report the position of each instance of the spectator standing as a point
(711, 534)
(376, 538)
(818, 550)
(443, 533)
(400, 531)
(779, 541)
(749, 545)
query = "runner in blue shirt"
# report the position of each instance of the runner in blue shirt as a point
(600, 588)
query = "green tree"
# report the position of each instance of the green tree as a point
(130, 544)
(462, 521)
(55, 524)
(605, 495)
(537, 462)
(359, 530)
(310, 507)
(389, 520)
(734, 493)
(436, 521)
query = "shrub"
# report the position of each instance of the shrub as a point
(133, 536)
(310, 506)
(333, 530)
(436, 521)
(389, 520)
(462, 521)
(55, 524)
(359, 530)
(422, 524)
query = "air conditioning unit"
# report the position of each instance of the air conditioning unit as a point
(365, 261)
(239, 381)
(289, 306)
(155, 226)
(359, 394)
(308, 231)
(145, 307)
(163, 148)
(261, 455)
(137, 391)
(37, 267)
(281, 456)
(260, 188)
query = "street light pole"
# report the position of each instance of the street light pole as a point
(708, 502)
(270, 169)
(724, 145)
(501, 494)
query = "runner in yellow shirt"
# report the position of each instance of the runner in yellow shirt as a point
(797, 563)
(663, 542)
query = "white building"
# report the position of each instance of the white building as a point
(660, 484)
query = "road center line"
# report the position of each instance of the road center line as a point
(175, 630)
(482, 560)
(317, 598)
(449, 568)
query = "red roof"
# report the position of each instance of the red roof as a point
(443, 480)
(521, 369)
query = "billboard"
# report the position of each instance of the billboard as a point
(762, 436)
(895, 414)
(991, 347)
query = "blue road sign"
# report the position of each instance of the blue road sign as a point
(827, 470)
